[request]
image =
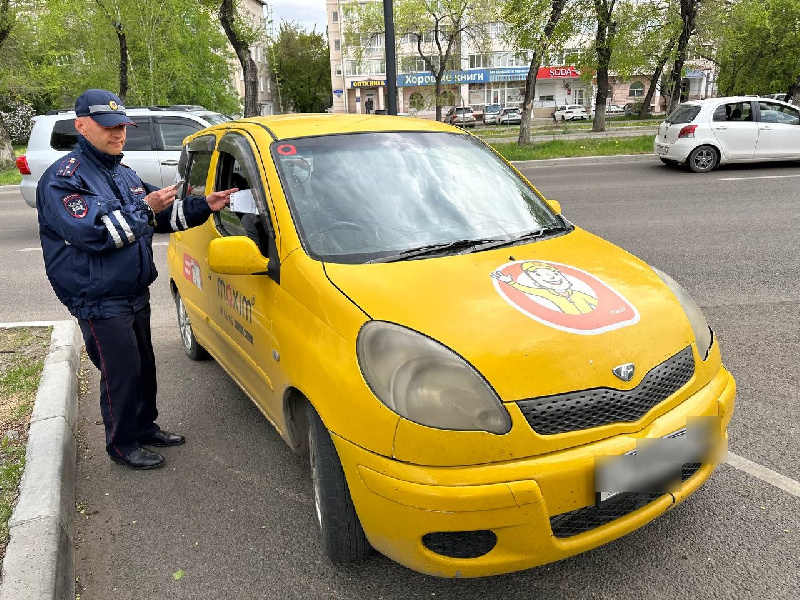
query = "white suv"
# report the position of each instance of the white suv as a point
(152, 149)
(570, 112)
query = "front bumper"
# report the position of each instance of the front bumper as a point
(513, 502)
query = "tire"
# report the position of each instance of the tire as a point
(703, 159)
(191, 346)
(342, 535)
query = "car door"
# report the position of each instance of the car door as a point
(169, 133)
(241, 307)
(778, 131)
(140, 153)
(734, 126)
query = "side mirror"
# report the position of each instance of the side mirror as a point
(236, 255)
(554, 205)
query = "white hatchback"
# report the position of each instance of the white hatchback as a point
(706, 133)
(570, 112)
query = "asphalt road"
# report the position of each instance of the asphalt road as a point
(233, 507)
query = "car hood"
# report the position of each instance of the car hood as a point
(525, 339)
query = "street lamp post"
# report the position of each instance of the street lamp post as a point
(391, 66)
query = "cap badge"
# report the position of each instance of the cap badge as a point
(113, 105)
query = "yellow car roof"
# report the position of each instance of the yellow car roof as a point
(305, 124)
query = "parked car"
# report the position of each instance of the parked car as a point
(612, 110)
(462, 116)
(490, 114)
(509, 116)
(633, 108)
(570, 112)
(152, 148)
(781, 97)
(706, 133)
(464, 411)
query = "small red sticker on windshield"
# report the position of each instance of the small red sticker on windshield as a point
(286, 150)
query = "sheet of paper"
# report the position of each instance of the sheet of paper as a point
(243, 202)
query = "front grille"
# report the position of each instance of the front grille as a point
(460, 544)
(583, 409)
(591, 517)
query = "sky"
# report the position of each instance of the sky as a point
(305, 12)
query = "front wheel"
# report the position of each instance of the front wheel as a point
(191, 346)
(342, 534)
(703, 159)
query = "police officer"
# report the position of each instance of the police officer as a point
(96, 224)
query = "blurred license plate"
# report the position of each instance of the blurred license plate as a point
(656, 464)
(662, 149)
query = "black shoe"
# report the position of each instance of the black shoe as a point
(163, 438)
(141, 458)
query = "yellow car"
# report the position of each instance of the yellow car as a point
(481, 386)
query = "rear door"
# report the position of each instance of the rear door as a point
(778, 131)
(734, 126)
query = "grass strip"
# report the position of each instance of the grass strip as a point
(575, 148)
(11, 176)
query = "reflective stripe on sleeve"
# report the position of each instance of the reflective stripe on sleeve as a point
(173, 220)
(112, 230)
(126, 229)
(182, 216)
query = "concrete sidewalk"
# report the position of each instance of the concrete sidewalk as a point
(40, 558)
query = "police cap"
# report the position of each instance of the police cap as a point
(104, 107)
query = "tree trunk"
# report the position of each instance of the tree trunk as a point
(556, 9)
(123, 61)
(688, 16)
(793, 94)
(6, 21)
(606, 29)
(7, 159)
(651, 89)
(227, 16)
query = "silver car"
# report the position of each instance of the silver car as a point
(706, 133)
(152, 149)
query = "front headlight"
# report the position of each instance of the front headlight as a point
(702, 332)
(425, 382)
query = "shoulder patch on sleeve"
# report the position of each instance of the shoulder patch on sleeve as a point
(68, 166)
(76, 205)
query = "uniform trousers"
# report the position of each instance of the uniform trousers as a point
(121, 349)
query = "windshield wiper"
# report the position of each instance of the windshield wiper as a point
(525, 237)
(438, 248)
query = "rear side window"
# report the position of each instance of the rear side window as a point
(685, 113)
(63, 136)
(138, 139)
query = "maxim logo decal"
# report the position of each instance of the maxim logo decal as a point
(235, 299)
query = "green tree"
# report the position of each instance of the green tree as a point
(301, 67)
(536, 26)
(759, 49)
(436, 29)
(7, 20)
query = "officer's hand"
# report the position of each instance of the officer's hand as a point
(161, 199)
(219, 200)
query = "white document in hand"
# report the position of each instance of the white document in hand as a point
(242, 202)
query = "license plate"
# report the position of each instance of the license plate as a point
(661, 149)
(656, 464)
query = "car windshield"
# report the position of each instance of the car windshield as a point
(373, 196)
(213, 118)
(492, 108)
(685, 113)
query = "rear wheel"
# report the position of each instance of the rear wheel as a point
(191, 346)
(703, 159)
(342, 535)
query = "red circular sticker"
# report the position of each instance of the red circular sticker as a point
(563, 297)
(286, 150)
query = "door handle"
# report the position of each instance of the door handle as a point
(169, 163)
(722, 127)
(765, 128)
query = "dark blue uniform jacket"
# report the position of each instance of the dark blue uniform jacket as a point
(97, 232)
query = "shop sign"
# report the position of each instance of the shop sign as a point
(448, 78)
(338, 93)
(368, 83)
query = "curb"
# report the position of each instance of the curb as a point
(40, 557)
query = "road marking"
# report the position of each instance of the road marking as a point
(757, 177)
(764, 474)
(37, 249)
